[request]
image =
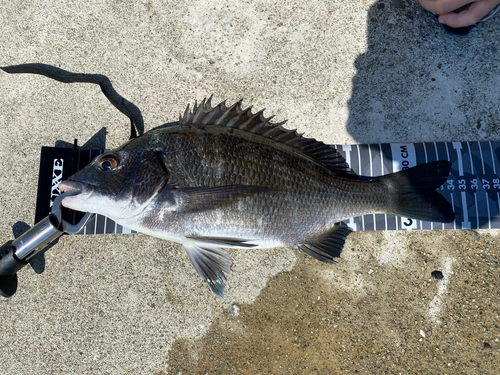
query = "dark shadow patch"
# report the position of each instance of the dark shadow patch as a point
(416, 80)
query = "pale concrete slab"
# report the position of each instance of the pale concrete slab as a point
(340, 71)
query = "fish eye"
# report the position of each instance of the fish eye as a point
(108, 163)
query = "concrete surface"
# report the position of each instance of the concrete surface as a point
(340, 71)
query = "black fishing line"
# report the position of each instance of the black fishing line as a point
(123, 105)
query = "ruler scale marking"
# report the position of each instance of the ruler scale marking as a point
(473, 187)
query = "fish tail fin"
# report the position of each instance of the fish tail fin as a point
(412, 192)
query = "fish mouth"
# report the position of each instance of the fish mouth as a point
(79, 189)
(69, 186)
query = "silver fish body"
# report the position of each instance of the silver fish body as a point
(224, 177)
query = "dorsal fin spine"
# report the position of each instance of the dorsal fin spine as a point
(233, 123)
(198, 112)
(185, 118)
(247, 125)
(236, 107)
(286, 133)
(292, 142)
(272, 132)
(245, 120)
(282, 137)
(207, 119)
(209, 102)
(212, 115)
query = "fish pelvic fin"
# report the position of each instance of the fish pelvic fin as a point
(412, 192)
(210, 263)
(329, 246)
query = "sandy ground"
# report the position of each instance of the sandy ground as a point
(341, 71)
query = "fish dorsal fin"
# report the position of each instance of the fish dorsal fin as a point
(243, 119)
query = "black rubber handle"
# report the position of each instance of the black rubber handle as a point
(9, 265)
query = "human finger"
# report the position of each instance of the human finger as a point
(443, 6)
(468, 17)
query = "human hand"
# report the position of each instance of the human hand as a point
(444, 8)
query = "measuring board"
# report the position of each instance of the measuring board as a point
(473, 187)
(56, 165)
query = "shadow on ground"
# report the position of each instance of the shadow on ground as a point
(415, 83)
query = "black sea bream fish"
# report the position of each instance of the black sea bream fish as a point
(227, 178)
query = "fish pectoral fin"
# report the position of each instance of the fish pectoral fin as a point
(223, 241)
(210, 263)
(208, 198)
(328, 247)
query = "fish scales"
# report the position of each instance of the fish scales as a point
(225, 177)
(305, 198)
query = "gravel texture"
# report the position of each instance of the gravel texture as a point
(340, 71)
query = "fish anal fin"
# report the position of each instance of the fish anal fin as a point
(329, 246)
(210, 263)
